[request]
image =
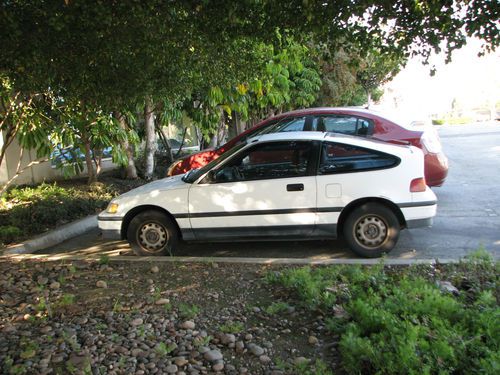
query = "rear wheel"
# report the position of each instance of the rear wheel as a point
(152, 233)
(371, 230)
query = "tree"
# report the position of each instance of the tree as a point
(376, 68)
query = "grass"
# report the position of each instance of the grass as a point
(27, 211)
(232, 327)
(187, 311)
(399, 321)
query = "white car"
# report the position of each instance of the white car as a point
(296, 185)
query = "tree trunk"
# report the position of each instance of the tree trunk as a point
(149, 128)
(368, 99)
(131, 171)
(88, 160)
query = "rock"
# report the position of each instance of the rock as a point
(101, 284)
(155, 269)
(447, 287)
(228, 338)
(255, 350)
(9, 328)
(171, 369)
(240, 346)
(248, 337)
(162, 301)
(181, 361)
(136, 322)
(339, 312)
(188, 324)
(313, 340)
(264, 359)
(54, 285)
(218, 366)
(213, 355)
(136, 352)
(256, 309)
(42, 280)
(46, 329)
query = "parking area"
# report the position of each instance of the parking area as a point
(468, 213)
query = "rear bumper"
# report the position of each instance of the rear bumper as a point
(436, 169)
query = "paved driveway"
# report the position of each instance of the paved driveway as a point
(468, 212)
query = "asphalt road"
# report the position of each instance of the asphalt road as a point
(468, 212)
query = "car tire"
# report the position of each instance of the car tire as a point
(152, 233)
(371, 230)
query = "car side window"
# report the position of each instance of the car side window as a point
(350, 125)
(268, 161)
(341, 158)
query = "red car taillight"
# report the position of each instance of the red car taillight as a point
(418, 185)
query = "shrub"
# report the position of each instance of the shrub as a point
(9, 233)
(37, 209)
(400, 321)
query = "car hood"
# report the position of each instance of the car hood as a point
(169, 183)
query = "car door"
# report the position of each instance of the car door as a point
(266, 190)
(347, 173)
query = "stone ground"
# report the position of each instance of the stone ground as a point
(139, 318)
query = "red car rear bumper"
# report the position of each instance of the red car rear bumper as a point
(436, 169)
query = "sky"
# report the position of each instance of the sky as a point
(471, 80)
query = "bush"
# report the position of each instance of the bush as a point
(439, 121)
(9, 233)
(400, 321)
(37, 209)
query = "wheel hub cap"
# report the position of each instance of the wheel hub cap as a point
(371, 231)
(153, 236)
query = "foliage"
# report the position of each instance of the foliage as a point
(9, 233)
(400, 321)
(232, 327)
(277, 308)
(188, 311)
(36, 209)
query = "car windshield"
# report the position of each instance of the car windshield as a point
(195, 174)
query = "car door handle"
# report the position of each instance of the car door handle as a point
(295, 187)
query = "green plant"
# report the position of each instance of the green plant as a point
(9, 233)
(188, 311)
(103, 259)
(232, 327)
(163, 349)
(30, 349)
(202, 340)
(399, 321)
(167, 307)
(66, 300)
(117, 307)
(277, 308)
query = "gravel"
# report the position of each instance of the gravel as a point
(125, 318)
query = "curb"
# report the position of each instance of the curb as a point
(229, 260)
(53, 237)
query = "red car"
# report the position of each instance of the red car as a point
(351, 121)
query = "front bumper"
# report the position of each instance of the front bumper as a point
(110, 227)
(420, 223)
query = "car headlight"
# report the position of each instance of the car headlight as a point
(112, 208)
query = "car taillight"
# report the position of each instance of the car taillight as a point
(430, 140)
(418, 185)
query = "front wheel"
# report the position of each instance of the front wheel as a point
(371, 230)
(152, 233)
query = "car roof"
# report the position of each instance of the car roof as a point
(332, 137)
